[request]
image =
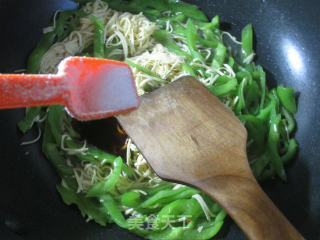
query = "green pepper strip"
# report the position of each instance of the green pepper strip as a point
(290, 120)
(94, 154)
(267, 173)
(189, 69)
(88, 207)
(31, 115)
(110, 206)
(191, 36)
(287, 98)
(223, 89)
(63, 24)
(34, 59)
(160, 5)
(131, 199)
(231, 61)
(165, 196)
(162, 37)
(52, 138)
(264, 113)
(154, 190)
(207, 28)
(252, 98)
(273, 94)
(209, 228)
(212, 25)
(220, 56)
(189, 10)
(256, 130)
(125, 6)
(143, 69)
(154, 7)
(178, 18)
(262, 85)
(188, 207)
(292, 149)
(240, 93)
(58, 161)
(259, 164)
(247, 39)
(105, 186)
(55, 119)
(207, 43)
(273, 142)
(98, 38)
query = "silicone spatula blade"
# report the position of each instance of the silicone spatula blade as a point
(90, 88)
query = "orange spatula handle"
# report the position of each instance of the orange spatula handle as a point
(24, 90)
(250, 207)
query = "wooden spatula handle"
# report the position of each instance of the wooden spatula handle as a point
(250, 207)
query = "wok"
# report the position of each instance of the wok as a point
(287, 45)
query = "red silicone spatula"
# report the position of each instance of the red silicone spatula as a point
(90, 88)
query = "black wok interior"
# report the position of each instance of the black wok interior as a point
(287, 45)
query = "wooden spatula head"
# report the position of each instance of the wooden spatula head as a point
(185, 133)
(188, 135)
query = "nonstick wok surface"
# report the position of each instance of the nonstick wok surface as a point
(287, 45)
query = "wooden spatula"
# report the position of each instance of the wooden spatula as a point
(90, 88)
(187, 135)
